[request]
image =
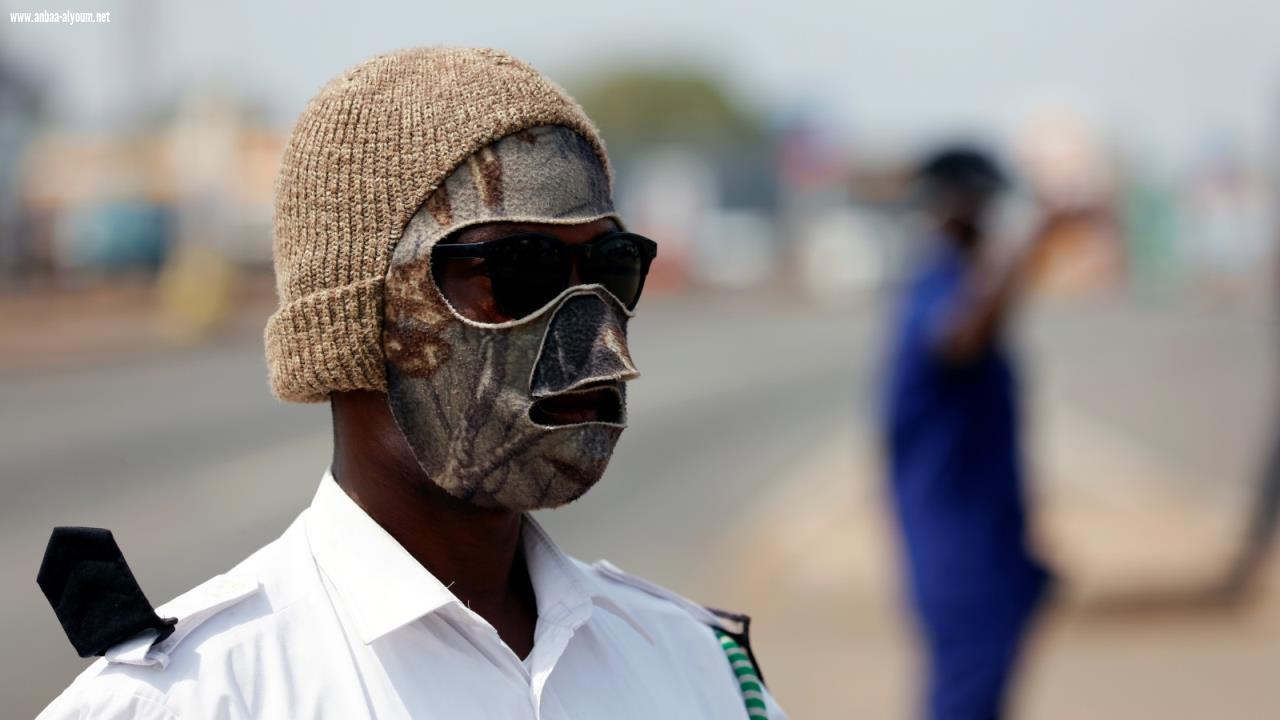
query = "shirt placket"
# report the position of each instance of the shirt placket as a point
(486, 641)
(552, 636)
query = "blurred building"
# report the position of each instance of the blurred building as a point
(1228, 228)
(102, 203)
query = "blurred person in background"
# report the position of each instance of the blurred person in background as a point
(954, 442)
(455, 282)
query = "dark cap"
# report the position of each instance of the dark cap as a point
(962, 168)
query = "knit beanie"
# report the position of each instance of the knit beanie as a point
(365, 154)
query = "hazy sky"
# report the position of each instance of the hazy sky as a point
(1163, 77)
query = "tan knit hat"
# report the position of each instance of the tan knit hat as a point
(365, 154)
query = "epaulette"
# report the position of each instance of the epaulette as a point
(103, 610)
(735, 625)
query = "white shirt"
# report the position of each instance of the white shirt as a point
(336, 620)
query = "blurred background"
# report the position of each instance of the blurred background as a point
(766, 147)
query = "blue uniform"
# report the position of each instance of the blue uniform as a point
(954, 459)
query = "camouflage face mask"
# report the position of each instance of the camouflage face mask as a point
(467, 395)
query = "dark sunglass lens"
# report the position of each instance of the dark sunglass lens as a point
(526, 272)
(618, 263)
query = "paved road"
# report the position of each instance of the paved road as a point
(193, 465)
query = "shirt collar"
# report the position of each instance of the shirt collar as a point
(385, 588)
(556, 577)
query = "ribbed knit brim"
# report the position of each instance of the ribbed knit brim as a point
(365, 154)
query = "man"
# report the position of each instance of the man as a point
(954, 447)
(454, 280)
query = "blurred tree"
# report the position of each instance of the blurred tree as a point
(638, 107)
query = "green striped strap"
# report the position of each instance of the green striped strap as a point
(748, 679)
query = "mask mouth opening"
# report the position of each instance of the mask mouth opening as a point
(594, 403)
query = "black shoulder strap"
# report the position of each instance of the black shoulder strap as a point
(93, 591)
(738, 627)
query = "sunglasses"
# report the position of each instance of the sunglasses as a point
(528, 270)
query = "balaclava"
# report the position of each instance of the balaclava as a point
(462, 391)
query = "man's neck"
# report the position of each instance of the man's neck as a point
(476, 552)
